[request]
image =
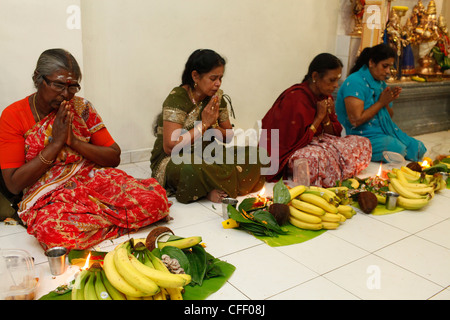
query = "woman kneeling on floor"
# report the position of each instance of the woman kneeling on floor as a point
(308, 128)
(188, 157)
(55, 149)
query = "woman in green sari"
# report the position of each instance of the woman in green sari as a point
(189, 157)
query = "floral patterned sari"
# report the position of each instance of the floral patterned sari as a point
(77, 204)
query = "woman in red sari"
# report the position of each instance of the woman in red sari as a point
(55, 149)
(308, 128)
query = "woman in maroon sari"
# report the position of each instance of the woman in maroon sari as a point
(308, 129)
(55, 149)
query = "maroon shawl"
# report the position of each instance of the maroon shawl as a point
(292, 114)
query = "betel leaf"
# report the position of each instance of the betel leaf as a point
(178, 254)
(268, 221)
(197, 260)
(281, 193)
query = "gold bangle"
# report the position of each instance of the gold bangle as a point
(328, 123)
(313, 129)
(45, 161)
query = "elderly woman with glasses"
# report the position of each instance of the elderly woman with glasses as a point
(56, 151)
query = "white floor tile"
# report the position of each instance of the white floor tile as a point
(262, 272)
(437, 233)
(324, 253)
(373, 278)
(367, 233)
(427, 259)
(318, 288)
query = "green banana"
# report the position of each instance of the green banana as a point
(78, 287)
(89, 289)
(181, 243)
(112, 291)
(100, 288)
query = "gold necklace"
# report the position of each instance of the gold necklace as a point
(35, 110)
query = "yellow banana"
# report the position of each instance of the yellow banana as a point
(411, 204)
(112, 291)
(401, 190)
(332, 199)
(381, 199)
(181, 243)
(161, 278)
(78, 286)
(131, 274)
(345, 208)
(338, 189)
(303, 216)
(89, 289)
(100, 288)
(319, 201)
(159, 296)
(175, 293)
(410, 172)
(117, 280)
(323, 190)
(296, 191)
(307, 207)
(330, 225)
(343, 218)
(330, 217)
(304, 225)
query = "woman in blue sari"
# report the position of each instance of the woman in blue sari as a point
(364, 105)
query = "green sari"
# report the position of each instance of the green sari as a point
(216, 167)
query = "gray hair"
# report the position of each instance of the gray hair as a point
(53, 60)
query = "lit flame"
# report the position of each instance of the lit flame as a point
(380, 171)
(425, 164)
(261, 194)
(86, 265)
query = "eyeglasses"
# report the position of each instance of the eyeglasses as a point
(60, 87)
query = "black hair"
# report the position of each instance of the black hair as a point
(321, 64)
(377, 53)
(202, 61)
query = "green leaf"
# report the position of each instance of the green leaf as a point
(178, 254)
(268, 221)
(197, 260)
(281, 193)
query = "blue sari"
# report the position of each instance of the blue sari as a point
(382, 132)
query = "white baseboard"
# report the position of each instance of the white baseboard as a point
(134, 156)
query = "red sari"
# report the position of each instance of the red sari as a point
(77, 204)
(330, 158)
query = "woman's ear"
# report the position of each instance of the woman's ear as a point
(314, 76)
(195, 76)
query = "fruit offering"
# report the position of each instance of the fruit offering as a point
(316, 208)
(415, 189)
(129, 274)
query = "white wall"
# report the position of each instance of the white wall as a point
(27, 28)
(133, 52)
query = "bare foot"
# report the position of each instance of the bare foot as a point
(216, 196)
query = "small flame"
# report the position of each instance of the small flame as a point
(261, 193)
(380, 171)
(425, 164)
(86, 265)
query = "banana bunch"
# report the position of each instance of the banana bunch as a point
(315, 208)
(141, 276)
(92, 284)
(415, 189)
